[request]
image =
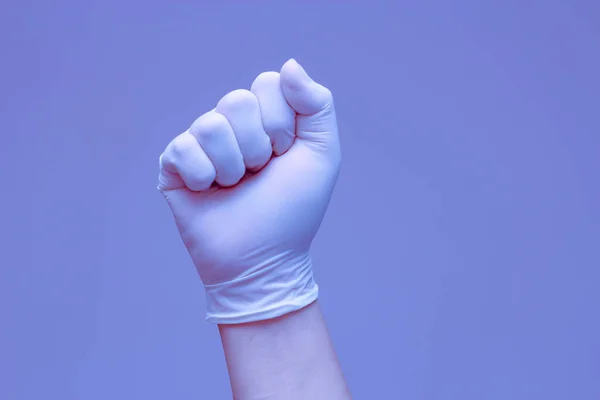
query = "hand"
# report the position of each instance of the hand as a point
(248, 184)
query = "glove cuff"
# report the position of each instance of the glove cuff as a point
(266, 293)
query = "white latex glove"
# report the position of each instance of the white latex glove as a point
(248, 184)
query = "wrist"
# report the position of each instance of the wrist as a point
(287, 357)
(267, 291)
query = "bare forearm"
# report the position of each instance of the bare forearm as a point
(285, 358)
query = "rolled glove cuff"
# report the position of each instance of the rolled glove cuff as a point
(266, 293)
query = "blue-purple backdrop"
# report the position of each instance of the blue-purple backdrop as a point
(460, 257)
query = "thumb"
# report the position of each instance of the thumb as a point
(312, 102)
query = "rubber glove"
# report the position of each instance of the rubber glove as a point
(248, 185)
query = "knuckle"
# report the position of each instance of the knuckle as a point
(162, 160)
(266, 77)
(327, 94)
(209, 126)
(166, 161)
(237, 99)
(178, 148)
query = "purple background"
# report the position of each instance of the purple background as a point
(460, 257)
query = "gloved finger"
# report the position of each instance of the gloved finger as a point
(278, 118)
(313, 103)
(303, 94)
(185, 163)
(214, 134)
(242, 110)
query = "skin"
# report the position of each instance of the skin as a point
(290, 357)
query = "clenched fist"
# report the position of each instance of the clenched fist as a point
(248, 184)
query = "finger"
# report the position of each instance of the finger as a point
(302, 93)
(278, 118)
(184, 163)
(214, 134)
(242, 110)
(313, 103)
